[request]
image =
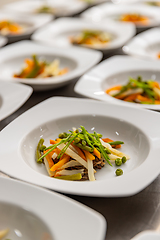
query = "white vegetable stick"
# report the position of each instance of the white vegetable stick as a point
(54, 155)
(90, 170)
(73, 155)
(114, 151)
(71, 163)
(130, 91)
(69, 172)
(51, 173)
(3, 233)
(113, 157)
(157, 91)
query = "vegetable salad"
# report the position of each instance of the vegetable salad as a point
(137, 91)
(135, 18)
(91, 38)
(9, 27)
(35, 68)
(78, 154)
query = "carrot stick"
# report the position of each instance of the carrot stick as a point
(131, 97)
(88, 155)
(49, 158)
(55, 141)
(107, 140)
(97, 153)
(81, 154)
(60, 163)
(118, 87)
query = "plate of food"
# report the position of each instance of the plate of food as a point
(134, 82)
(12, 97)
(141, 16)
(39, 208)
(65, 32)
(145, 45)
(57, 8)
(18, 26)
(96, 150)
(43, 67)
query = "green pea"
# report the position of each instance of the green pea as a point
(118, 161)
(124, 159)
(84, 143)
(119, 172)
(61, 135)
(77, 140)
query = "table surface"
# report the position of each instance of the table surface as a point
(125, 216)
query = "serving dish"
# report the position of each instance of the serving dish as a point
(115, 11)
(62, 30)
(77, 60)
(147, 235)
(12, 97)
(60, 8)
(45, 214)
(95, 82)
(142, 140)
(28, 24)
(145, 45)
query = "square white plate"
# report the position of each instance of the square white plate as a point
(95, 82)
(113, 11)
(147, 235)
(59, 32)
(62, 7)
(76, 59)
(145, 45)
(138, 128)
(45, 213)
(12, 97)
(29, 22)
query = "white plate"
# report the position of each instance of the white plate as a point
(76, 59)
(106, 75)
(147, 235)
(141, 137)
(3, 41)
(29, 22)
(12, 97)
(62, 7)
(113, 11)
(59, 32)
(145, 45)
(45, 213)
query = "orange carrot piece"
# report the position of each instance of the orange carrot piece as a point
(81, 154)
(49, 158)
(60, 163)
(118, 87)
(107, 140)
(97, 153)
(89, 155)
(131, 97)
(55, 141)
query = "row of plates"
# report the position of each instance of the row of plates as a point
(127, 122)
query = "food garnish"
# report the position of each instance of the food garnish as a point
(137, 91)
(35, 68)
(91, 38)
(45, 9)
(157, 4)
(9, 27)
(134, 18)
(78, 154)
